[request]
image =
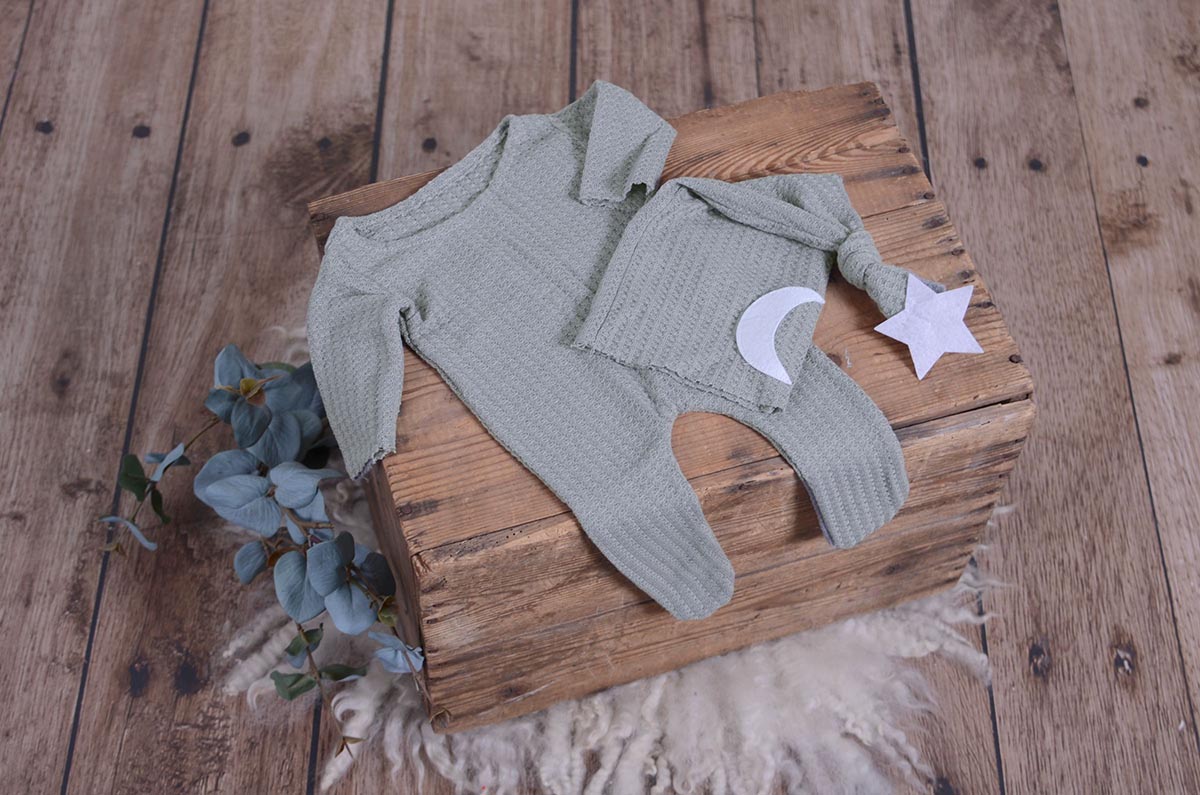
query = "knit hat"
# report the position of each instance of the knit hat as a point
(702, 251)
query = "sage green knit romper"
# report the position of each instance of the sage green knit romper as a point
(577, 317)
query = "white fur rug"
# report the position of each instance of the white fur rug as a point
(824, 711)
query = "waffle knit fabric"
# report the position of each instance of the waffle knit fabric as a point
(577, 319)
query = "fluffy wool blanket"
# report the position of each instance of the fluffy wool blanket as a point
(823, 711)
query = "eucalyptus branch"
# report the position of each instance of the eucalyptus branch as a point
(133, 479)
(276, 417)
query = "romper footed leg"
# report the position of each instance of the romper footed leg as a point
(842, 448)
(615, 470)
(645, 518)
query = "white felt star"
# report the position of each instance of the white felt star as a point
(931, 324)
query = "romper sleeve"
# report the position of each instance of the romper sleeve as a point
(358, 359)
(627, 143)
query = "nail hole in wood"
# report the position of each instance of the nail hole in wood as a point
(1124, 660)
(1039, 659)
(942, 786)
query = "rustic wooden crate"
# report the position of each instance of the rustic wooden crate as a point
(516, 609)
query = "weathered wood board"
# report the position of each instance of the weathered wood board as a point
(516, 609)
(282, 110)
(1140, 120)
(1089, 690)
(77, 268)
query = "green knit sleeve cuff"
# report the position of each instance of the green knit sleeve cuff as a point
(358, 358)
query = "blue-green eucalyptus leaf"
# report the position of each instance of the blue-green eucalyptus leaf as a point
(223, 465)
(294, 532)
(296, 485)
(283, 393)
(250, 423)
(295, 595)
(236, 491)
(315, 510)
(231, 366)
(326, 567)
(243, 500)
(345, 545)
(311, 428)
(378, 575)
(132, 477)
(291, 686)
(175, 456)
(302, 645)
(270, 368)
(250, 561)
(350, 610)
(133, 529)
(221, 402)
(337, 672)
(392, 656)
(280, 442)
(156, 504)
(303, 391)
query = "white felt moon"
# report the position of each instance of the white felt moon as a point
(757, 326)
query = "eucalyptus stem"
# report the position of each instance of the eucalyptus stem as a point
(213, 422)
(315, 673)
(379, 600)
(305, 525)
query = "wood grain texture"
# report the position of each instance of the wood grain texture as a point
(677, 56)
(283, 110)
(458, 66)
(807, 45)
(77, 267)
(1136, 72)
(455, 490)
(1088, 684)
(14, 18)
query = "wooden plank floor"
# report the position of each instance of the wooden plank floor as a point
(154, 164)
